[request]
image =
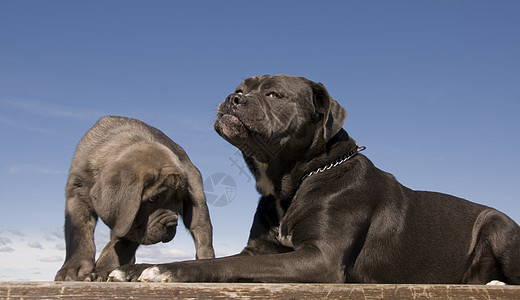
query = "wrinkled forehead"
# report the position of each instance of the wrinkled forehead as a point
(282, 83)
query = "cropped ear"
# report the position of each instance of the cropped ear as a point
(116, 197)
(331, 114)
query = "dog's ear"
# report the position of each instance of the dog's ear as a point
(195, 215)
(169, 177)
(330, 114)
(116, 197)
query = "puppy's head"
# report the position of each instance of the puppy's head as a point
(138, 194)
(269, 115)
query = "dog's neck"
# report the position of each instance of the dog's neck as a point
(264, 184)
(280, 177)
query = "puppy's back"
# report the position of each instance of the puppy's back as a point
(108, 138)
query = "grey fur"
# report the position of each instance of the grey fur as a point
(137, 180)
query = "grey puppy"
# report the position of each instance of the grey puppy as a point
(327, 214)
(137, 180)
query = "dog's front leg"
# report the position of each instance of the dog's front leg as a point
(80, 223)
(304, 265)
(116, 253)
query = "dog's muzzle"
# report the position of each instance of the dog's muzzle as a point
(236, 99)
(162, 228)
(228, 123)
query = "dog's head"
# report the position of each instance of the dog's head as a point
(139, 194)
(270, 115)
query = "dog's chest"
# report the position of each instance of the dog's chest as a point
(263, 184)
(285, 240)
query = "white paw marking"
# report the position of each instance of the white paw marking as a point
(495, 282)
(117, 275)
(285, 240)
(153, 274)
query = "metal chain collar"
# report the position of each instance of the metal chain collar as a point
(335, 163)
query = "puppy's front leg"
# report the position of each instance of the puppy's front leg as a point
(116, 253)
(80, 223)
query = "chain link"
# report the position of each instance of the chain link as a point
(335, 163)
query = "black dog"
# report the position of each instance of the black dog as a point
(327, 214)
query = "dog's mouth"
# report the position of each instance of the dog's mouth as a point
(157, 234)
(169, 236)
(160, 227)
(230, 127)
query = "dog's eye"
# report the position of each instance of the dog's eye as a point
(239, 92)
(274, 95)
(153, 199)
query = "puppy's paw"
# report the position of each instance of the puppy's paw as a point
(154, 274)
(495, 282)
(75, 270)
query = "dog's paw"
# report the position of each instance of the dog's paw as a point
(76, 270)
(116, 276)
(495, 282)
(154, 274)
(150, 274)
(128, 272)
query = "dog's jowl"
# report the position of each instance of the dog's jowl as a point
(327, 214)
(137, 181)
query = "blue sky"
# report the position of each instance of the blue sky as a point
(432, 89)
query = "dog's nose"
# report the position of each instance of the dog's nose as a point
(237, 99)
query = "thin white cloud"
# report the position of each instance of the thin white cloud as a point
(101, 237)
(32, 115)
(51, 259)
(34, 169)
(4, 241)
(161, 254)
(25, 260)
(17, 124)
(54, 234)
(35, 244)
(22, 259)
(13, 232)
(60, 247)
(103, 233)
(46, 109)
(179, 254)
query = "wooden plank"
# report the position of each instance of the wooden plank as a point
(130, 290)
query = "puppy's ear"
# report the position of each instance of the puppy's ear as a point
(330, 113)
(116, 197)
(170, 177)
(195, 215)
